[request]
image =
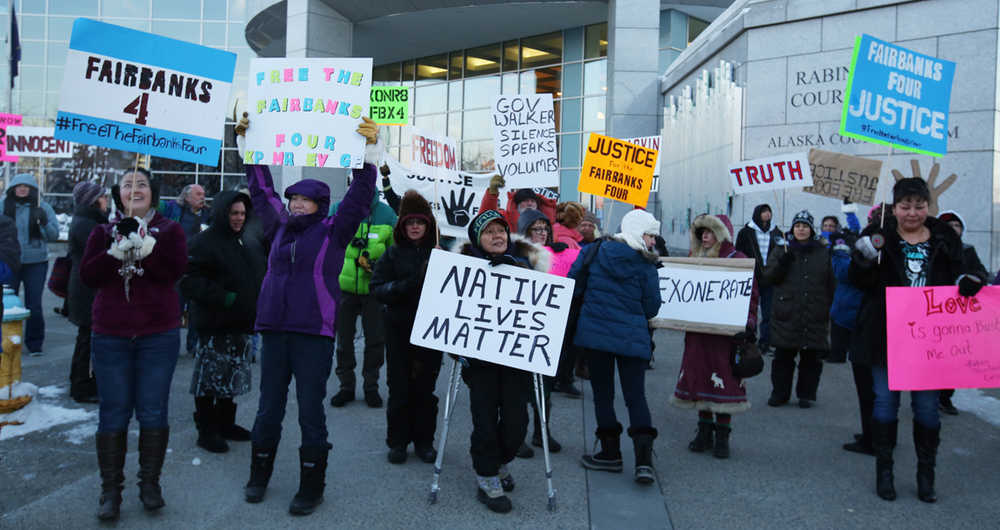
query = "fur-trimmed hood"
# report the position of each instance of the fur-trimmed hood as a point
(719, 225)
(518, 247)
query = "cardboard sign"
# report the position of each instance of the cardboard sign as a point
(390, 105)
(454, 201)
(305, 112)
(524, 140)
(618, 170)
(838, 176)
(938, 339)
(897, 97)
(505, 315)
(649, 142)
(37, 141)
(135, 91)
(706, 295)
(7, 120)
(789, 170)
(434, 156)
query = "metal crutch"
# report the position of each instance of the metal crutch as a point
(449, 407)
(540, 398)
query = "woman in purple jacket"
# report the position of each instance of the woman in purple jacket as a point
(133, 265)
(296, 312)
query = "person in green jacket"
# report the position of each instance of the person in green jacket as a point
(371, 241)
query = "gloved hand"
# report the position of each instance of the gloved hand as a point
(969, 285)
(366, 263)
(384, 170)
(230, 299)
(127, 226)
(39, 217)
(865, 247)
(848, 206)
(369, 129)
(241, 128)
(786, 258)
(502, 259)
(496, 182)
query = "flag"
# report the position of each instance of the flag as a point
(15, 46)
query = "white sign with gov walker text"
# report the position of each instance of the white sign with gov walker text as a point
(707, 295)
(502, 314)
(790, 170)
(524, 140)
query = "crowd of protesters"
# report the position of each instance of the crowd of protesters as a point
(298, 275)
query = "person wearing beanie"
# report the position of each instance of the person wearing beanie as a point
(90, 209)
(620, 290)
(36, 225)
(411, 371)
(915, 250)
(801, 274)
(133, 265)
(497, 394)
(971, 257)
(518, 201)
(226, 267)
(589, 228)
(568, 217)
(756, 240)
(297, 311)
(706, 382)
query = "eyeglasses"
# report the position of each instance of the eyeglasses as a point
(540, 230)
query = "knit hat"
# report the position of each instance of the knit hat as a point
(804, 217)
(414, 206)
(910, 187)
(570, 213)
(524, 194)
(590, 217)
(481, 221)
(86, 193)
(528, 218)
(634, 225)
(951, 215)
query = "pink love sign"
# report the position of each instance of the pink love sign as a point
(938, 339)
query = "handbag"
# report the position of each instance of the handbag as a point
(745, 358)
(59, 279)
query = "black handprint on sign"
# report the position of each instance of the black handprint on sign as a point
(457, 213)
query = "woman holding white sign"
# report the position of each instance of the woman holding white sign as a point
(912, 249)
(497, 394)
(621, 292)
(706, 382)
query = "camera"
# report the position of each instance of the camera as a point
(359, 242)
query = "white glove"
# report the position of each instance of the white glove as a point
(241, 145)
(849, 208)
(374, 153)
(865, 247)
(145, 246)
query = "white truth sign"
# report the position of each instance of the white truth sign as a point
(501, 314)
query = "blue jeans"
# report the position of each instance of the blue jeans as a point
(32, 275)
(886, 409)
(134, 374)
(632, 375)
(307, 357)
(764, 338)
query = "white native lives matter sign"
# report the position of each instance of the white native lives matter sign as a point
(790, 170)
(524, 140)
(705, 298)
(505, 315)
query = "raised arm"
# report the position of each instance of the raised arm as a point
(355, 207)
(267, 205)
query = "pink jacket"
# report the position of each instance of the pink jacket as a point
(562, 261)
(569, 236)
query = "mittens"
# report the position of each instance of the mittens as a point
(969, 285)
(865, 247)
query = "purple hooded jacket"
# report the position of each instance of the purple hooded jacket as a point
(301, 289)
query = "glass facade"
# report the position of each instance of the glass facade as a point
(44, 29)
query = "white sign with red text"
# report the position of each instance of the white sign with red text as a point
(37, 141)
(790, 170)
(435, 156)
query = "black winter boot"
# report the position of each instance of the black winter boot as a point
(312, 477)
(225, 414)
(721, 449)
(642, 440)
(206, 419)
(111, 463)
(704, 439)
(926, 441)
(884, 441)
(152, 450)
(261, 467)
(610, 457)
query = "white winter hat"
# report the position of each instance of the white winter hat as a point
(634, 225)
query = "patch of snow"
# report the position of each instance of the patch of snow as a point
(28, 476)
(81, 433)
(977, 402)
(52, 391)
(196, 461)
(37, 415)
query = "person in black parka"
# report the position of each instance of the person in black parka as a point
(756, 240)
(225, 271)
(801, 274)
(91, 210)
(412, 371)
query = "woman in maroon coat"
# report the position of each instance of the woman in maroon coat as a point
(706, 381)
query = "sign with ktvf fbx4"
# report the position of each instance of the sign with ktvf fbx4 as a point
(505, 315)
(617, 170)
(305, 112)
(897, 97)
(139, 92)
(390, 105)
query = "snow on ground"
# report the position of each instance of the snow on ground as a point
(977, 402)
(39, 414)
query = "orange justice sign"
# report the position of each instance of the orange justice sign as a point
(618, 170)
